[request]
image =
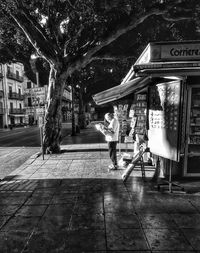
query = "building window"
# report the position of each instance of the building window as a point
(17, 73)
(8, 69)
(11, 106)
(19, 91)
(28, 85)
(20, 106)
(29, 101)
(10, 90)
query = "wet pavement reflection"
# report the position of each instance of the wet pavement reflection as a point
(71, 203)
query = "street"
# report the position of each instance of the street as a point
(26, 137)
(18, 144)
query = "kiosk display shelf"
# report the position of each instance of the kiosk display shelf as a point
(140, 113)
(194, 130)
(192, 157)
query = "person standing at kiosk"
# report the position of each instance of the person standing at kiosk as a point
(112, 137)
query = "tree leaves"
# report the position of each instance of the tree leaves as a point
(75, 32)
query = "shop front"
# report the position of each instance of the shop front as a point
(169, 75)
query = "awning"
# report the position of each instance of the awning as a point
(169, 72)
(120, 91)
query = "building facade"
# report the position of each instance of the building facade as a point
(12, 110)
(20, 97)
(32, 100)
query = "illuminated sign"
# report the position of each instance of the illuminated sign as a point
(180, 52)
(158, 52)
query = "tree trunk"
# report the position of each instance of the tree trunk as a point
(53, 115)
(73, 118)
(82, 118)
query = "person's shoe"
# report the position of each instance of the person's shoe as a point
(115, 167)
(112, 167)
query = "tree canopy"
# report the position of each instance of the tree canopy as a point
(80, 31)
(71, 34)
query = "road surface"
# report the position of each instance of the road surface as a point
(17, 145)
(26, 137)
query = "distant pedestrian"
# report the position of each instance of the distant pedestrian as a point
(112, 137)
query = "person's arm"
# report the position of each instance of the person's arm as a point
(113, 125)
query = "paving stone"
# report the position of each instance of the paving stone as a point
(126, 239)
(85, 198)
(39, 200)
(38, 175)
(187, 220)
(87, 221)
(90, 208)
(86, 240)
(3, 220)
(39, 192)
(30, 210)
(21, 223)
(8, 210)
(149, 208)
(193, 236)
(157, 220)
(13, 241)
(118, 206)
(183, 206)
(63, 199)
(44, 242)
(122, 221)
(116, 195)
(54, 223)
(167, 239)
(59, 210)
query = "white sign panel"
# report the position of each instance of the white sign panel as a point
(67, 95)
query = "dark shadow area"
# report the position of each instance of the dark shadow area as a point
(94, 215)
(90, 150)
(89, 135)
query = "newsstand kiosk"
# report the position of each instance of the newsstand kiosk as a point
(169, 74)
(173, 104)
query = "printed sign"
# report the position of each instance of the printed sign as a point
(40, 111)
(38, 95)
(40, 121)
(180, 51)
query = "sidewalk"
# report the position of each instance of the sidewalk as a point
(70, 202)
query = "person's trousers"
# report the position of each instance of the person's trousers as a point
(112, 148)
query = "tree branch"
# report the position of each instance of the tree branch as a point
(122, 29)
(41, 44)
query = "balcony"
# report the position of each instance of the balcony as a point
(15, 95)
(20, 97)
(2, 111)
(13, 76)
(17, 111)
